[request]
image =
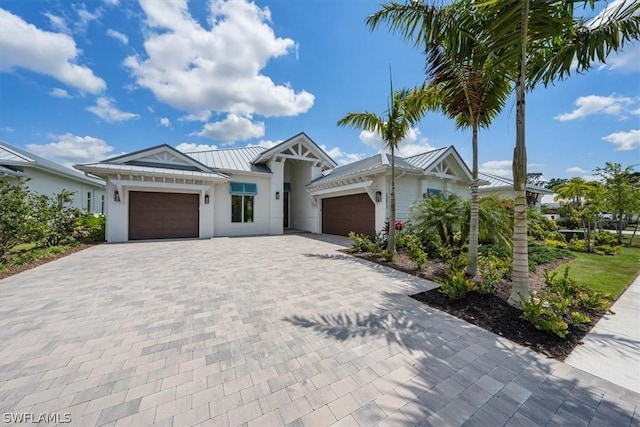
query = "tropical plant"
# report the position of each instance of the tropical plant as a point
(406, 108)
(442, 215)
(544, 41)
(470, 91)
(495, 223)
(56, 218)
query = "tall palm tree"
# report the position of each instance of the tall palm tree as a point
(406, 108)
(468, 90)
(543, 41)
(533, 42)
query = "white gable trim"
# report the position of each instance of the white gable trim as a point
(300, 147)
(441, 170)
(160, 155)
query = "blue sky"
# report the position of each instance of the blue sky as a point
(83, 81)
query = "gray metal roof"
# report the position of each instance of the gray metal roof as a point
(496, 182)
(232, 159)
(12, 155)
(114, 168)
(424, 160)
(371, 164)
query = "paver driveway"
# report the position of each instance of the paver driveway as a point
(267, 331)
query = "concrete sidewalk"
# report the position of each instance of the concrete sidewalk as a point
(612, 349)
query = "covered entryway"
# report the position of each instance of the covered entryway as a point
(156, 215)
(343, 214)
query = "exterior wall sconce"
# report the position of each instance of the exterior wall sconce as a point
(378, 196)
(277, 195)
(206, 199)
(116, 196)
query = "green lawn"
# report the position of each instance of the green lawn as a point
(607, 274)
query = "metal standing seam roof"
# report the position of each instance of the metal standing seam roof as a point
(12, 155)
(126, 168)
(232, 159)
(496, 181)
(370, 164)
(424, 160)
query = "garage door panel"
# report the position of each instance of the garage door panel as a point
(341, 215)
(155, 215)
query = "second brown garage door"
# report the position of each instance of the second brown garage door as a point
(340, 215)
(163, 215)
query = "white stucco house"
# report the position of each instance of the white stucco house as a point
(49, 178)
(160, 192)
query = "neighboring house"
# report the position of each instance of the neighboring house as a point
(160, 192)
(503, 188)
(49, 178)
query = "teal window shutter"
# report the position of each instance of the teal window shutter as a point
(244, 188)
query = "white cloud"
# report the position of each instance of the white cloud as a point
(190, 147)
(340, 156)
(69, 149)
(165, 122)
(54, 54)
(202, 116)
(105, 109)
(112, 2)
(85, 17)
(59, 93)
(265, 143)
(625, 140)
(233, 128)
(577, 170)
(122, 38)
(626, 61)
(497, 167)
(594, 104)
(57, 23)
(7, 129)
(218, 67)
(410, 145)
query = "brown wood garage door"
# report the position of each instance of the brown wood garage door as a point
(343, 214)
(163, 215)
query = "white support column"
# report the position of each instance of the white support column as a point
(276, 205)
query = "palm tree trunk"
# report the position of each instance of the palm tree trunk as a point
(472, 265)
(391, 242)
(520, 276)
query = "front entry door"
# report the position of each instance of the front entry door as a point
(285, 206)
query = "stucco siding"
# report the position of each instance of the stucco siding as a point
(42, 182)
(261, 208)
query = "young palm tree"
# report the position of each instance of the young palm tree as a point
(468, 90)
(406, 108)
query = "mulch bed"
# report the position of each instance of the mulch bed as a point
(492, 312)
(28, 266)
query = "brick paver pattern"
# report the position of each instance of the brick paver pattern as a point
(267, 331)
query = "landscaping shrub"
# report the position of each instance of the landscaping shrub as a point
(362, 243)
(15, 214)
(604, 238)
(56, 218)
(455, 285)
(563, 301)
(541, 254)
(89, 228)
(491, 271)
(500, 251)
(539, 227)
(556, 244)
(578, 245)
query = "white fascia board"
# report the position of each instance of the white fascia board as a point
(364, 185)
